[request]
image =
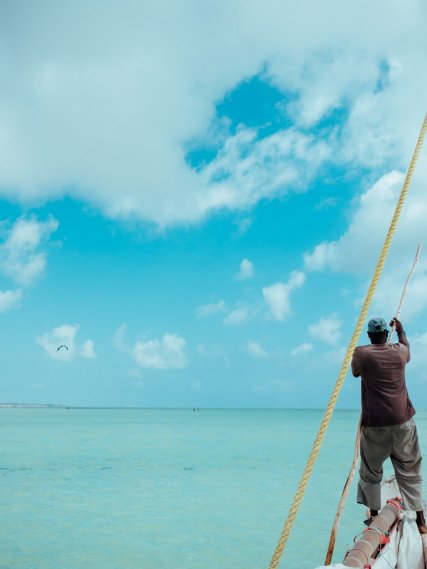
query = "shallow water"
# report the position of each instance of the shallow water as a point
(172, 489)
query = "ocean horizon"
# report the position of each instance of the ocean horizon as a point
(178, 408)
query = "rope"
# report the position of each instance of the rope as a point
(340, 380)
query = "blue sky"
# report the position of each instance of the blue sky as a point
(196, 210)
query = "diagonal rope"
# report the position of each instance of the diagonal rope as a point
(340, 380)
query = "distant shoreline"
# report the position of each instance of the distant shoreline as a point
(34, 405)
(62, 406)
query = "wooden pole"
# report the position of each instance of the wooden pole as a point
(424, 542)
(344, 494)
(408, 278)
(367, 546)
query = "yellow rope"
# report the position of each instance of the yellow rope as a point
(338, 385)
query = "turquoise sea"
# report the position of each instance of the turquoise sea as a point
(170, 489)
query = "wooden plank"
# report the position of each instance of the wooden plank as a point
(424, 541)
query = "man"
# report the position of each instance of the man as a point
(388, 429)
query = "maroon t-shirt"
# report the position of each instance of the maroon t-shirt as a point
(385, 399)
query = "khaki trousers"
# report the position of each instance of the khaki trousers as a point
(400, 444)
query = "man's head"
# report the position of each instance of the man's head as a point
(377, 330)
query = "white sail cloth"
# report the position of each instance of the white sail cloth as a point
(405, 550)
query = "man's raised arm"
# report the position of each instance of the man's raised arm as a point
(401, 336)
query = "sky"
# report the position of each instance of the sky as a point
(193, 197)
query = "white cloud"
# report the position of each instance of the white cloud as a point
(237, 316)
(327, 329)
(361, 243)
(118, 339)
(277, 296)
(9, 299)
(167, 353)
(21, 257)
(327, 203)
(122, 147)
(207, 309)
(244, 178)
(243, 225)
(87, 350)
(358, 249)
(302, 349)
(390, 287)
(65, 335)
(256, 350)
(246, 270)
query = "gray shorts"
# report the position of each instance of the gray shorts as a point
(400, 444)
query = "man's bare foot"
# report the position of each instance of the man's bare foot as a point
(421, 523)
(422, 529)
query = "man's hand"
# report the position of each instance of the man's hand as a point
(401, 335)
(397, 324)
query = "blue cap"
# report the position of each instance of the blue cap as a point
(377, 325)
